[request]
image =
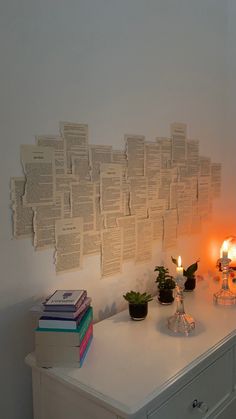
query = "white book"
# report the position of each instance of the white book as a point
(64, 298)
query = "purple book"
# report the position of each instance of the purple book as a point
(69, 314)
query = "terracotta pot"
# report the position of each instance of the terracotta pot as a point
(138, 311)
(165, 296)
(190, 283)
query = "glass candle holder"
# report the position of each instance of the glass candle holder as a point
(181, 322)
(225, 296)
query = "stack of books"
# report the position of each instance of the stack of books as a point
(65, 330)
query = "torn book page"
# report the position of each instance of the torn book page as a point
(69, 245)
(111, 263)
(39, 168)
(165, 146)
(91, 243)
(57, 143)
(22, 216)
(204, 166)
(110, 187)
(119, 157)
(178, 134)
(157, 224)
(98, 154)
(204, 197)
(216, 179)
(44, 223)
(138, 196)
(144, 241)
(170, 229)
(82, 201)
(76, 141)
(134, 145)
(192, 156)
(63, 183)
(128, 226)
(80, 167)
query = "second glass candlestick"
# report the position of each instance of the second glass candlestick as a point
(181, 322)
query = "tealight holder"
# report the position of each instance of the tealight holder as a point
(225, 296)
(181, 322)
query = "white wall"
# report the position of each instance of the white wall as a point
(124, 66)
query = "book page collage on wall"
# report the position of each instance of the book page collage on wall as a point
(83, 199)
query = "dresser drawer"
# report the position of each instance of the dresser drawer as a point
(211, 386)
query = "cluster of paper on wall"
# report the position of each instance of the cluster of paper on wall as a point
(83, 199)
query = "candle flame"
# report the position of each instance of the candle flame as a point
(179, 262)
(225, 246)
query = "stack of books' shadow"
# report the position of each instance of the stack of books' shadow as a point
(65, 330)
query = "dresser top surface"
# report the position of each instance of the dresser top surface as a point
(130, 363)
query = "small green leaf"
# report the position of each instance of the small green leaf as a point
(174, 261)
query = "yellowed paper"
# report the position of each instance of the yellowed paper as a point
(138, 196)
(204, 166)
(128, 226)
(63, 186)
(39, 168)
(57, 143)
(110, 187)
(22, 216)
(157, 218)
(135, 155)
(165, 145)
(76, 141)
(98, 154)
(144, 241)
(178, 134)
(215, 180)
(92, 243)
(82, 200)
(44, 223)
(170, 229)
(111, 251)
(69, 245)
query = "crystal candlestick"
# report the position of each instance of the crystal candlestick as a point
(181, 322)
(225, 296)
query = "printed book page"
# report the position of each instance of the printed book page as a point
(57, 143)
(144, 241)
(82, 199)
(63, 186)
(138, 196)
(112, 250)
(44, 223)
(128, 227)
(192, 156)
(204, 168)
(170, 229)
(39, 168)
(178, 134)
(80, 167)
(135, 155)
(22, 216)
(216, 169)
(157, 218)
(92, 243)
(69, 245)
(165, 146)
(98, 154)
(76, 141)
(110, 187)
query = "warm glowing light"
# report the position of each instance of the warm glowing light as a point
(179, 262)
(229, 247)
(225, 248)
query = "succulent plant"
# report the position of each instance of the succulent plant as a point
(134, 297)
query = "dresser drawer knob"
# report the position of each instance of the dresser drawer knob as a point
(201, 406)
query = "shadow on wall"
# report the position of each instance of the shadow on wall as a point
(17, 340)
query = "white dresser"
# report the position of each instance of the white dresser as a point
(140, 370)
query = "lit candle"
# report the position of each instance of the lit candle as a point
(225, 250)
(179, 269)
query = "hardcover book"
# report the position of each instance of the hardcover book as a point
(84, 303)
(64, 298)
(54, 355)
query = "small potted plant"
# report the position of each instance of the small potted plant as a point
(138, 304)
(189, 273)
(166, 284)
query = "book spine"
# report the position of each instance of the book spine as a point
(85, 352)
(85, 324)
(84, 342)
